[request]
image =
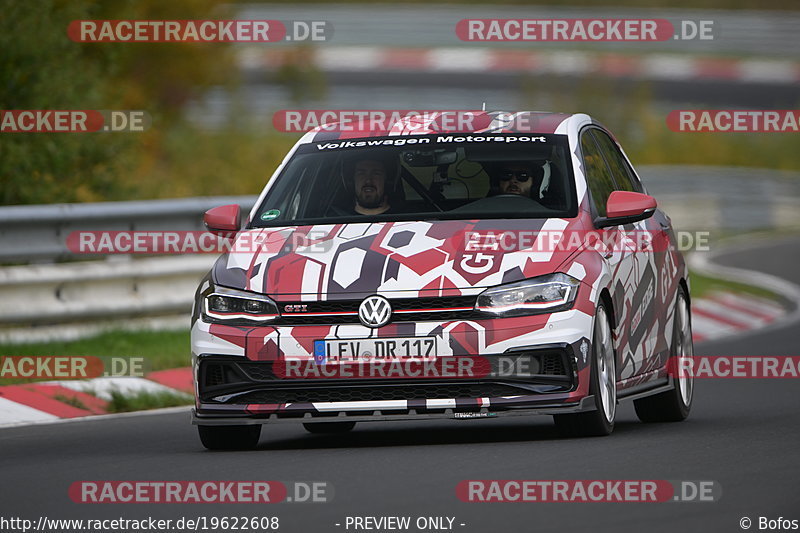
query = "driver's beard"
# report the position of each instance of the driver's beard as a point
(369, 203)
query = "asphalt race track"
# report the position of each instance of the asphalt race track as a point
(744, 434)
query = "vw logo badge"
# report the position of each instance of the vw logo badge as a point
(375, 311)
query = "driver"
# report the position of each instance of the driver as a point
(369, 179)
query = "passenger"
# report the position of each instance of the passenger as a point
(516, 178)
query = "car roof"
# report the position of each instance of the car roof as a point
(455, 122)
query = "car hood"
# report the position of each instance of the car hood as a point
(400, 259)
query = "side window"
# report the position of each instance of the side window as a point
(598, 176)
(623, 175)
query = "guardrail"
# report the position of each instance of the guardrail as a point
(38, 233)
(70, 300)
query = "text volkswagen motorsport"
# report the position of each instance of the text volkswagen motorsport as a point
(421, 273)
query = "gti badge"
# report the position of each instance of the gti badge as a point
(375, 311)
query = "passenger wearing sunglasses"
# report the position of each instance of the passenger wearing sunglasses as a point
(516, 178)
(525, 178)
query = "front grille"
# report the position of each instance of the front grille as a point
(421, 309)
(377, 393)
(408, 304)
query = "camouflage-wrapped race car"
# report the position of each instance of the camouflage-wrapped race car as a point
(418, 272)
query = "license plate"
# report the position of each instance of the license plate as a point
(366, 350)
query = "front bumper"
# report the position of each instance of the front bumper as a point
(230, 390)
(235, 383)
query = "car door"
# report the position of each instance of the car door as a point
(655, 263)
(634, 278)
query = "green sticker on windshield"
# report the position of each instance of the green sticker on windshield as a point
(269, 215)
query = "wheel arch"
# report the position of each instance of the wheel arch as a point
(685, 284)
(605, 299)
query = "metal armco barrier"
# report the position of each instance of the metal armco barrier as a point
(43, 302)
(100, 289)
(70, 300)
(38, 233)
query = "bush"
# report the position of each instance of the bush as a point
(42, 69)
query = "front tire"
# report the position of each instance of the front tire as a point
(674, 405)
(229, 437)
(602, 385)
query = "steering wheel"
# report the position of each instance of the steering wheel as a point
(507, 195)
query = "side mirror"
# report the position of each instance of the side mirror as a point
(624, 207)
(224, 220)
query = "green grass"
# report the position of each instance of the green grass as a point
(705, 285)
(144, 400)
(74, 401)
(161, 349)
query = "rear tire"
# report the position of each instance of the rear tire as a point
(602, 385)
(329, 427)
(230, 437)
(673, 405)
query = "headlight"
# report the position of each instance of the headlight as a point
(232, 306)
(544, 294)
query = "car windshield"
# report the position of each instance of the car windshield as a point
(422, 177)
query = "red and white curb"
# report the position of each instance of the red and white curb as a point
(53, 400)
(722, 314)
(657, 66)
(719, 315)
